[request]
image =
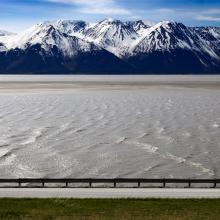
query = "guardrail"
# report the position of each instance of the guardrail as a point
(115, 182)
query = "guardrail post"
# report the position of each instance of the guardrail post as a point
(189, 184)
(115, 185)
(164, 183)
(66, 184)
(139, 184)
(215, 184)
(43, 184)
(90, 184)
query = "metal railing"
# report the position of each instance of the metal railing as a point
(117, 182)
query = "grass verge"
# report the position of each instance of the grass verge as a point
(107, 209)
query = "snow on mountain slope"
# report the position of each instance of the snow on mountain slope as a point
(138, 26)
(114, 35)
(211, 35)
(168, 36)
(2, 47)
(48, 36)
(208, 33)
(163, 36)
(73, 28)
(4, 35)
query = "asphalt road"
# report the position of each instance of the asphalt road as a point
(108, 193)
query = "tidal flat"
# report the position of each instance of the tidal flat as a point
(109, 126)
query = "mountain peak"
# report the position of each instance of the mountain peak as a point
(166, 24)
(149, 23)
(169, 27)
(111, 21)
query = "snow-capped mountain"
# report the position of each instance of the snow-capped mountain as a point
(111, 46)
(114, 35)
(49, 36)
(170, 36)
(45, 48)
(172, 45)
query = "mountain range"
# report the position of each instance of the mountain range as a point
(111, 47)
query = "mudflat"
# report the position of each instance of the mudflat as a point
(32, 83)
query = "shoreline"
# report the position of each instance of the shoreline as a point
(12, 84)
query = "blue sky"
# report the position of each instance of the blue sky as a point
(16, 15)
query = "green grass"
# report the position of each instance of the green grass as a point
(106, 209)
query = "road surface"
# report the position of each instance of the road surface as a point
(108, 193)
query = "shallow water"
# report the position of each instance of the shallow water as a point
(157, 132)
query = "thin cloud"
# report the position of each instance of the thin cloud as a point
(212, 11)
(165, 10)
(207, 18)
(211, 14)
(108, 7)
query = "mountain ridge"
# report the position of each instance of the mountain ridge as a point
(134, 47)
